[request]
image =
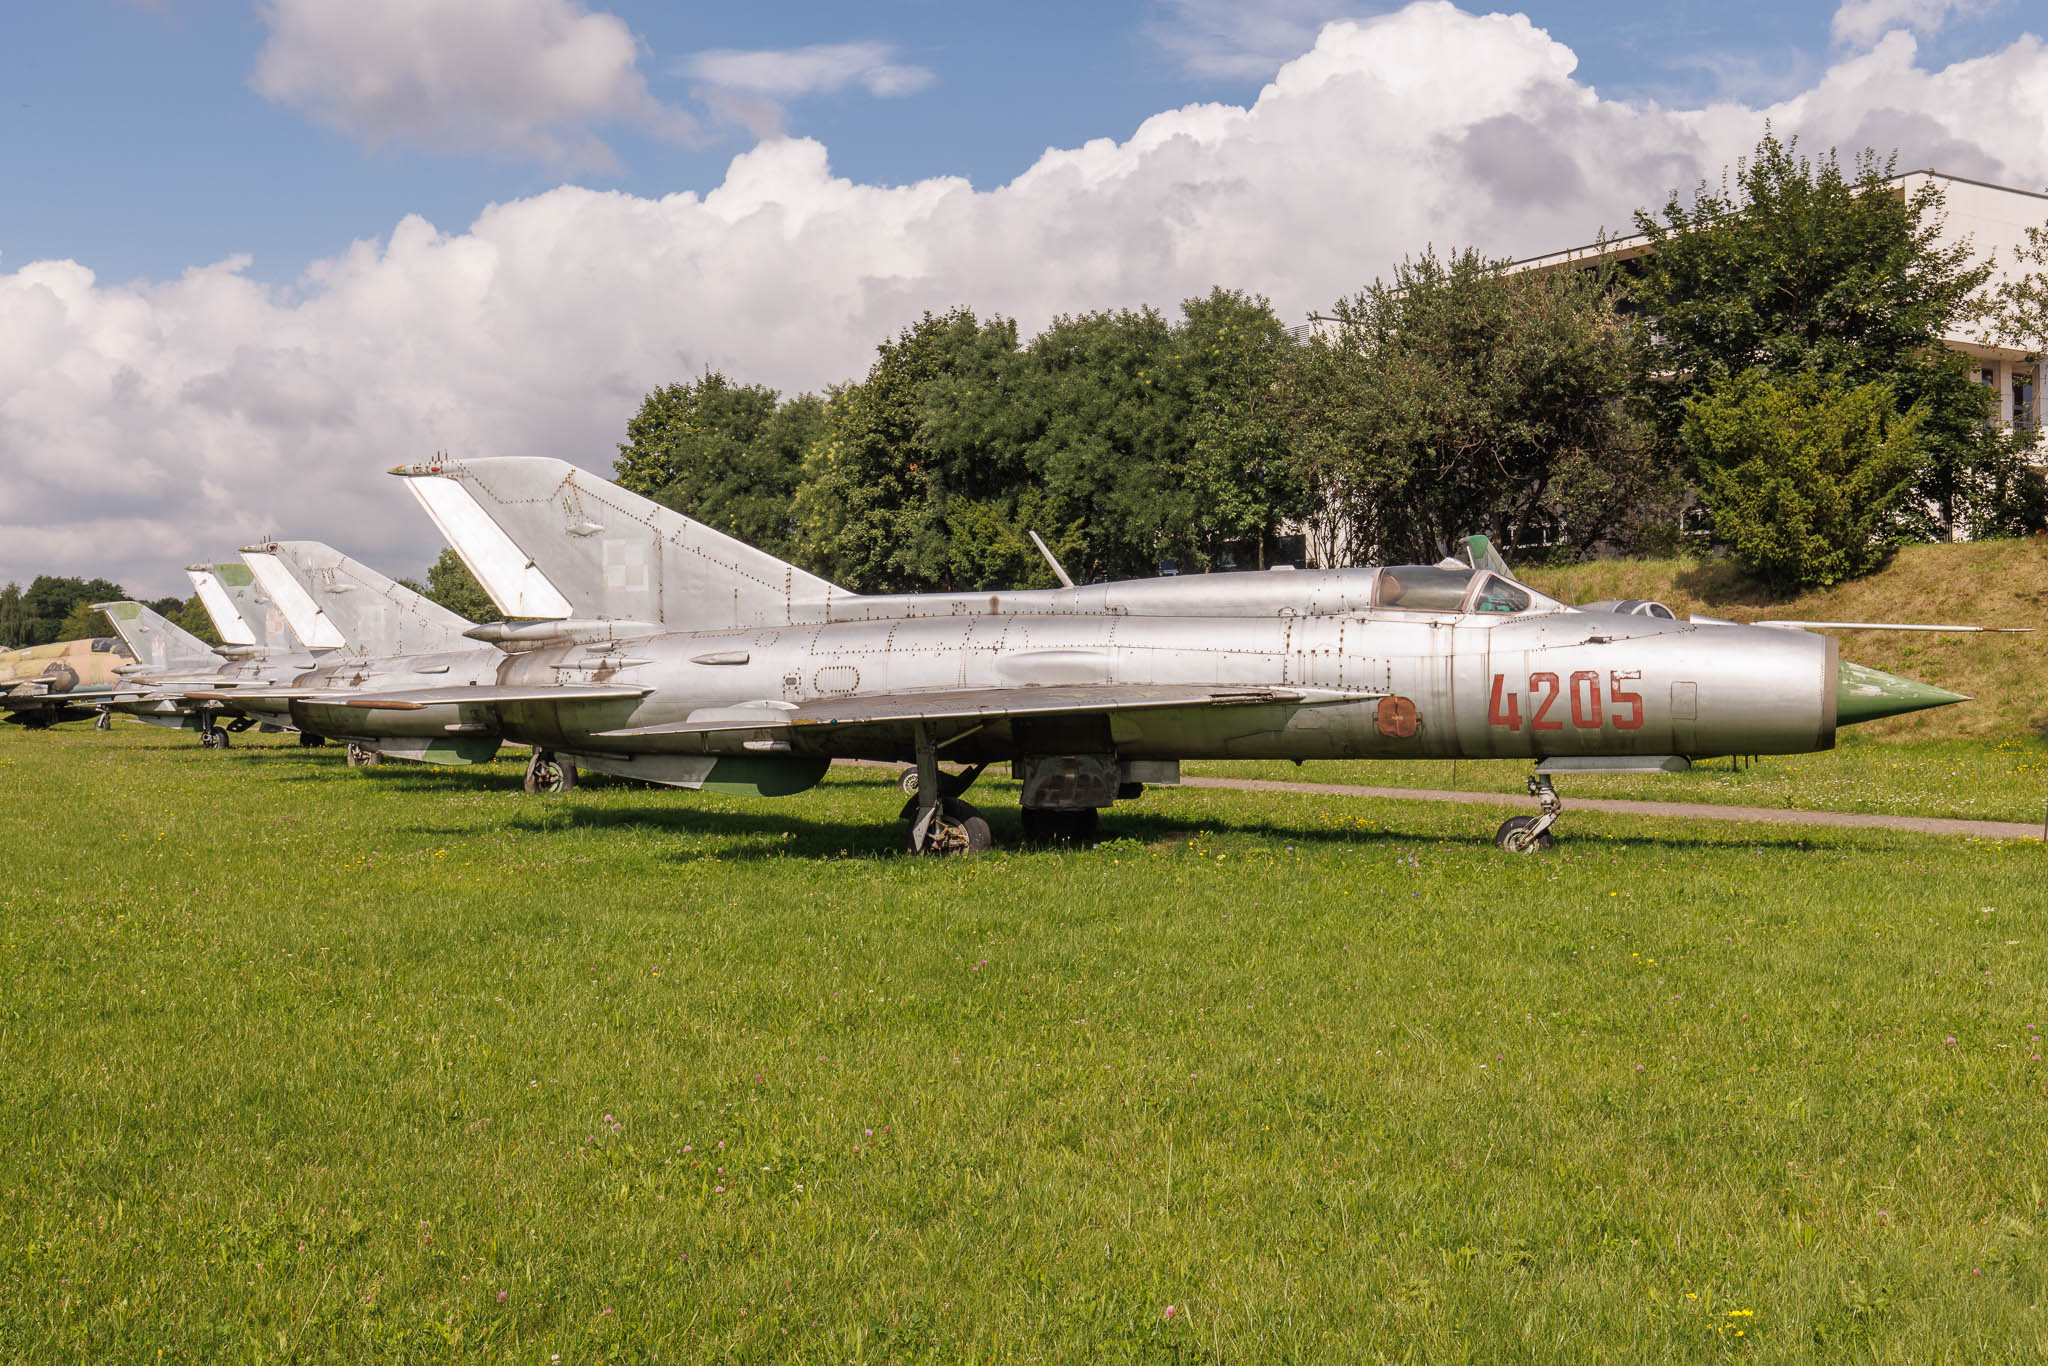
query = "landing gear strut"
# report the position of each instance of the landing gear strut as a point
(547, 772)
(940, 823)
(1531, 834)
(104, 721)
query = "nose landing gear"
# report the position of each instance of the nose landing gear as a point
(1531, 834)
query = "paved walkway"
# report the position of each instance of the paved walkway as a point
(1775, 815)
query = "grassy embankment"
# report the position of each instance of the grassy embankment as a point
(1986, 759)
(402, 1065)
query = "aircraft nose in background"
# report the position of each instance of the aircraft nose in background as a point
(1866, 694)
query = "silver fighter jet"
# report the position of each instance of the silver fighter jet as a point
(642, 643)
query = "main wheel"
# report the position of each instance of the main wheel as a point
(957, 829)
(1516, 835)
(362, 756)
(104, 721)
(308, 740)
(906, 782)
(547, 773)
(220, 739)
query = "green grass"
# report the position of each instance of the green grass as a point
(301, 1064)
(2003, 780)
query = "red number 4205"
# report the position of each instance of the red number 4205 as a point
(1589, 709)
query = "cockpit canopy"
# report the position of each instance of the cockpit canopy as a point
(1432, 588)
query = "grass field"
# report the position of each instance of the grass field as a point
(304, 1064)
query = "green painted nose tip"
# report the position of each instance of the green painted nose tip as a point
(1863, 694)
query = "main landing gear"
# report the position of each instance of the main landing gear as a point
(1531, 834)
(362, 756)
(939, 822)
(548, 772)
(214, 737)
(308, 740)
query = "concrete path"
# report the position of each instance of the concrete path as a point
(1774, 815)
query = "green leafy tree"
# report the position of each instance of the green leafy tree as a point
(923, 431)
(1231, 350)
(16, 621)
(727, 455)
(2019, 302)
(82, 622)
(1802, 268)
(1457, 397)
(1102, 408)
(51, 602)
(1804, 478)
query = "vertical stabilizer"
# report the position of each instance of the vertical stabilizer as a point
(549, 540)
(242, 612)
(311, 626)
(377, 614)
(156, 641)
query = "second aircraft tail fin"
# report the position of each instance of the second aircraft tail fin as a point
(338, 598)
(156, 640)
(549, 540)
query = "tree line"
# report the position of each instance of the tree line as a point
(53, 608)
(1767, 366)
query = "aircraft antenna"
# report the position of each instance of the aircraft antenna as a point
(1046, 551)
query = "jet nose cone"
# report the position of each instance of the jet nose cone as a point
(1865, 694)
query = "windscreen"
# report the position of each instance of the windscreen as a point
(1499, 595)
(1423, 588)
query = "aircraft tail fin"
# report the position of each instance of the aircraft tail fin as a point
(156, 640)
(242, 612)
(331, 594)
(549, 540)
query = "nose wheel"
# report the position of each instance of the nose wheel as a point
(1531, 834)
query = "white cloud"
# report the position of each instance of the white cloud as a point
(1860, 23)
(521, 78)
(143, 424)
(821, 68)
(1238, 41)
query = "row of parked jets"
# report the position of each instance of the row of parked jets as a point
(635, 641)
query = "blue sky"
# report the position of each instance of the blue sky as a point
(135, 144)
(254, 252)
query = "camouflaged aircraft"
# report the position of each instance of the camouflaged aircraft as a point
(371, 634)
(642, 643)
(42, 685)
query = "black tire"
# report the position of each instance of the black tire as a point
(220, 739)
(906, 782)
(1513, 836)
(546, 773)
(308, 740)
(964, 830)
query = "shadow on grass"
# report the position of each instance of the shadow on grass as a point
(768, 833)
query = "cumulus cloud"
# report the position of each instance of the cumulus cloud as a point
(1860, 23)
(520, 78)
(145, 423)
(821, 68)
